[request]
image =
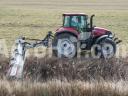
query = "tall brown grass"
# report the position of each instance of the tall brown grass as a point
(59, 88)
(64, 77)
(84, 69)
(4, 62)
(76, 69)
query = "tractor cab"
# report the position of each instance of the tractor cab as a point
(77, 21)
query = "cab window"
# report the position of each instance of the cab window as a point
(67, 21)
(79, 22)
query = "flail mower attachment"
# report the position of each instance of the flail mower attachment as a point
(18, 56)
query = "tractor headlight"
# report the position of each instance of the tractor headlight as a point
(110, 36)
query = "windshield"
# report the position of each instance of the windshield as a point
(78, 22)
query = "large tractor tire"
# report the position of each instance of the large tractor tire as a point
(106, 48)
(65, 45)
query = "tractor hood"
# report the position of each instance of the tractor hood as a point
(67, 29)
(98, 31)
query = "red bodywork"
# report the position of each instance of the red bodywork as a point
(67, 29)
(96, 32)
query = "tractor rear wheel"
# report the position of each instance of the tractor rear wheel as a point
(65, 45)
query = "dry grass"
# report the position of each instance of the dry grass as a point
(43, 69)
(3, 65)
(63, 77)
(77, 69)
(59, 88)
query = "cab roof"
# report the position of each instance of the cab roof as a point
(74, 14)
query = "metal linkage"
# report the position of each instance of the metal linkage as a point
(18, 55)
(117, 40)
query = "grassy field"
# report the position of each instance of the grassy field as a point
(34, 18)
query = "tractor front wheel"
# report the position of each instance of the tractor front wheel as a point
(106, 48)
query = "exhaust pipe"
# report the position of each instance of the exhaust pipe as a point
(91, 22)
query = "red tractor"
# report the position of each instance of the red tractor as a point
(77, 33)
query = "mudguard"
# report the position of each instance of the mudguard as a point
(68, 32)
(72, 31)
(103, 37)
